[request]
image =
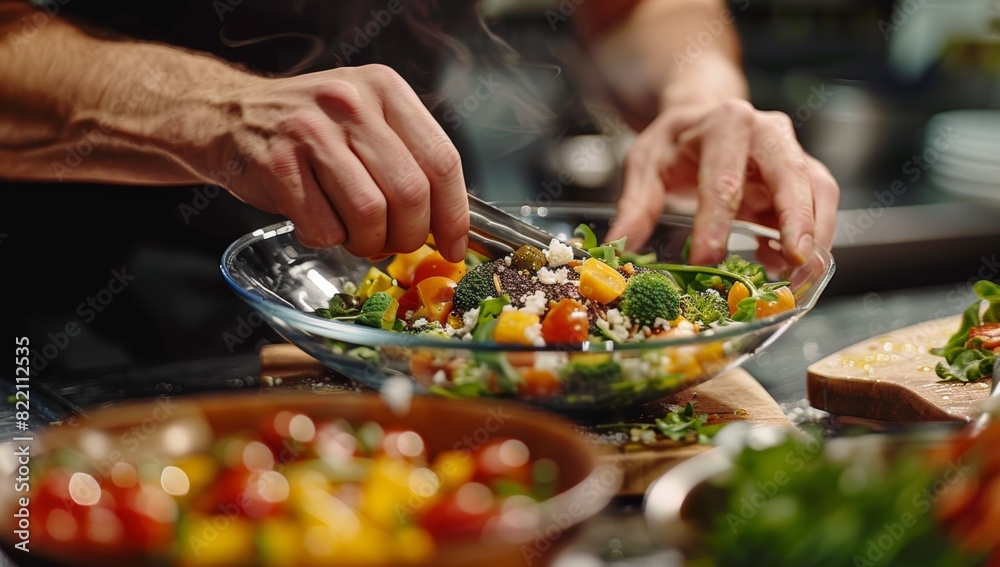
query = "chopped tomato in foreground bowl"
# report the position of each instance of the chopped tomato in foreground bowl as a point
(307, 480)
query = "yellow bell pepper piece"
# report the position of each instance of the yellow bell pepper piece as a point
(395, 291)
(600, 282)
(216, 540)
(454, 468)
(512, 328)
(374, 281)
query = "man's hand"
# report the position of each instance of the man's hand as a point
(352, 157)
(738, 163)
(701, 140)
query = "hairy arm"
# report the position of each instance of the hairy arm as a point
(675, 68)
(657, 53)
(350, 155)
(87, 107)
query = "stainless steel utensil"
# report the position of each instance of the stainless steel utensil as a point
(496, 233)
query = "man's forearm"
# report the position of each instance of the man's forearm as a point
(75, 106)
(657, 52)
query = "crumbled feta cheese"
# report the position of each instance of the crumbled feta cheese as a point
(618, 334)
(551, 361)
(685, 327)
(617, 326)
(440, 377)
(534, 334)
(645, 436)
(535, 303)
(472, 374)
(420, 323)
(558, 253)
(397, 392)
(550, 277)
(508, 307)
(635, 369)
(507, 260)
(615, 317)
(661, 323)
(469, 319)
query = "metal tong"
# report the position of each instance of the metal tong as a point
(495, 233)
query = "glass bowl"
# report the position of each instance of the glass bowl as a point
(286, 282)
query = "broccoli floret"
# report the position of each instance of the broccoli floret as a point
(475, 286)
(705, 307)
(753, 271)
(606, 370)
(649, 296)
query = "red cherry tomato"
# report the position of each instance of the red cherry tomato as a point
(434, 264)
(566, 322)
(503, 459)
(452, 519)
(409, 302)
(144, 518)
(234, 494)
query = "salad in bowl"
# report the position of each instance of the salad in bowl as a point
(609, 329)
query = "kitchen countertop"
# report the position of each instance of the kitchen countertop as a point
(618, 536)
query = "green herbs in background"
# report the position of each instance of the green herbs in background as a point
(794, 505)
(682, 425)
(966, 356)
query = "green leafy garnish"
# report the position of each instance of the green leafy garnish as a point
(795, 504)
(379, 311)
(970, 365)
(965, 360)
(340, 305)
(490, 309)
(682, 424)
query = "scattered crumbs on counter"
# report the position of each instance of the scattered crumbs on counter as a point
(802, 413)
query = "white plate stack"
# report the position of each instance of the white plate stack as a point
(962, 153)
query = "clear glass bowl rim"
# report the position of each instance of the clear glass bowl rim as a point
(356, 334)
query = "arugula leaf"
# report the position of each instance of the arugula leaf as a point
(989, 291)
(970, 365)
(606, 253)
(637, 259)
(490, 309)
(746, 310)
(965, 360)
(682, 424)
(956, 344)
(378, 312)
(584, 232)
(340, 305)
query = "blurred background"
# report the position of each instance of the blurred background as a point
(900, 100)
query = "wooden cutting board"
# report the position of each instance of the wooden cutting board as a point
(891, 377)
(732, 396)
